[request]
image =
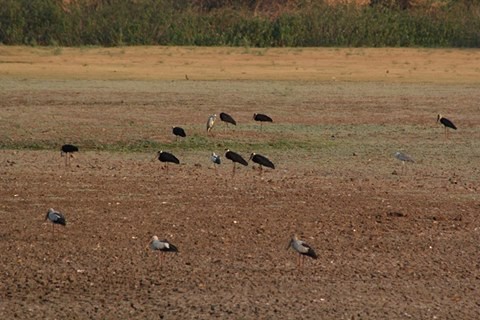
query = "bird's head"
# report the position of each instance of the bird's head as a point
(48, 212)
(254, 115)
(251, 156)
(227, 150)
(289, 244)
(439, 116)
(214, 154)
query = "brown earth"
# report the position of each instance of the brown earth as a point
(393, 242)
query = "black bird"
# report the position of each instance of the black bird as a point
(167, 157)
(261, 160)
(68, 150)
(162, 246)
(56, 218)
(179, 132)
(262, 118)
(302, 248)
(235, 158)
(225, 117)
(446, 123)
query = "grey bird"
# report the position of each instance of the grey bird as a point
(216, 160)
(162, 246)
(56, 218)
(304, 249)
(403, 158)
(211, 122)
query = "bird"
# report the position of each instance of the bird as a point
(167, 157)
(178, 132)
(211, 122)
(225, 117)
(215, 159)
(302, 248)
(262, 161)
(235, 158)
(162, 246)
(403, 158)
(56, 218)
(446, 123)
(68, 150)
(262, 118)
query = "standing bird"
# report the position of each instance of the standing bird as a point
(403, 158)
(211, 122)
(262, 161)
(178, 132)
(167, 157)
(235, 158)
(262, 118)
(216, 160)
(162, 246)
(225, 117)
(302, 248)
(68, 150)
(446, 123)
(56, 218)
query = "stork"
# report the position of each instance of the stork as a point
(216, 160)
(56, 218)
(403, 158)
(68, 150)
(162, 246)
(225, 117)
(446, 123)
(178, 132)
(211, 122)
(262, 161)
(261, 118)
(235, 158)
(167, 157)
(302, 248)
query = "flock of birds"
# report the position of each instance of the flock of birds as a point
(164, 246)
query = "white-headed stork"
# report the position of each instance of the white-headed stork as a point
(162, 247)
(262, 161)
(178, 132)
(235, 158)
(225, 117)
(68, 150)
(261, 118)
(446, 123)
(167, 157)
(303, 249)
(56, 218)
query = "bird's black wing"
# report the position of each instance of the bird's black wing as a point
(264, 161)
(227, 118)
(447, 123)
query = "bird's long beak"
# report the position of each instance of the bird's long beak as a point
(289, 244)
(251, 156)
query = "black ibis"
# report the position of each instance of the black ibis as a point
(261, 118)
(235, 158)
(225, 117)
(261, 160)
(178, 132)
(211, 122)
(162, 246)
(215, 159)
(167, 157)
(446, 123)
(302, 248)
(68, 150)
(56, 218)
(403, 158)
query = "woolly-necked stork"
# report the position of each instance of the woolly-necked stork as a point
(261, 118)
(211, 122)
(178, 132)
(167, 157)
(225, 117)
(446, 123)
(261, 160)
(403, 158)
(216, 160)
(56, 218)
(235, 158)
(68, 150)
(162, 246)
(302, 248)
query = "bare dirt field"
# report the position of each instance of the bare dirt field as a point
(394, 241)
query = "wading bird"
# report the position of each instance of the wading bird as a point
(162, 246)
(302, 248)
(446, 123)
(211, 122)
(261, 118)
(262, 161)
(403, 158)
(178, 132)
(167, 157)
(56, 218)
(68, 150)
(225, 117)
(216, 160)
(235, 158)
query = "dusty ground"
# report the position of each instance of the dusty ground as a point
(393, 242)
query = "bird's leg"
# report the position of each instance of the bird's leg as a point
(234, 166)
